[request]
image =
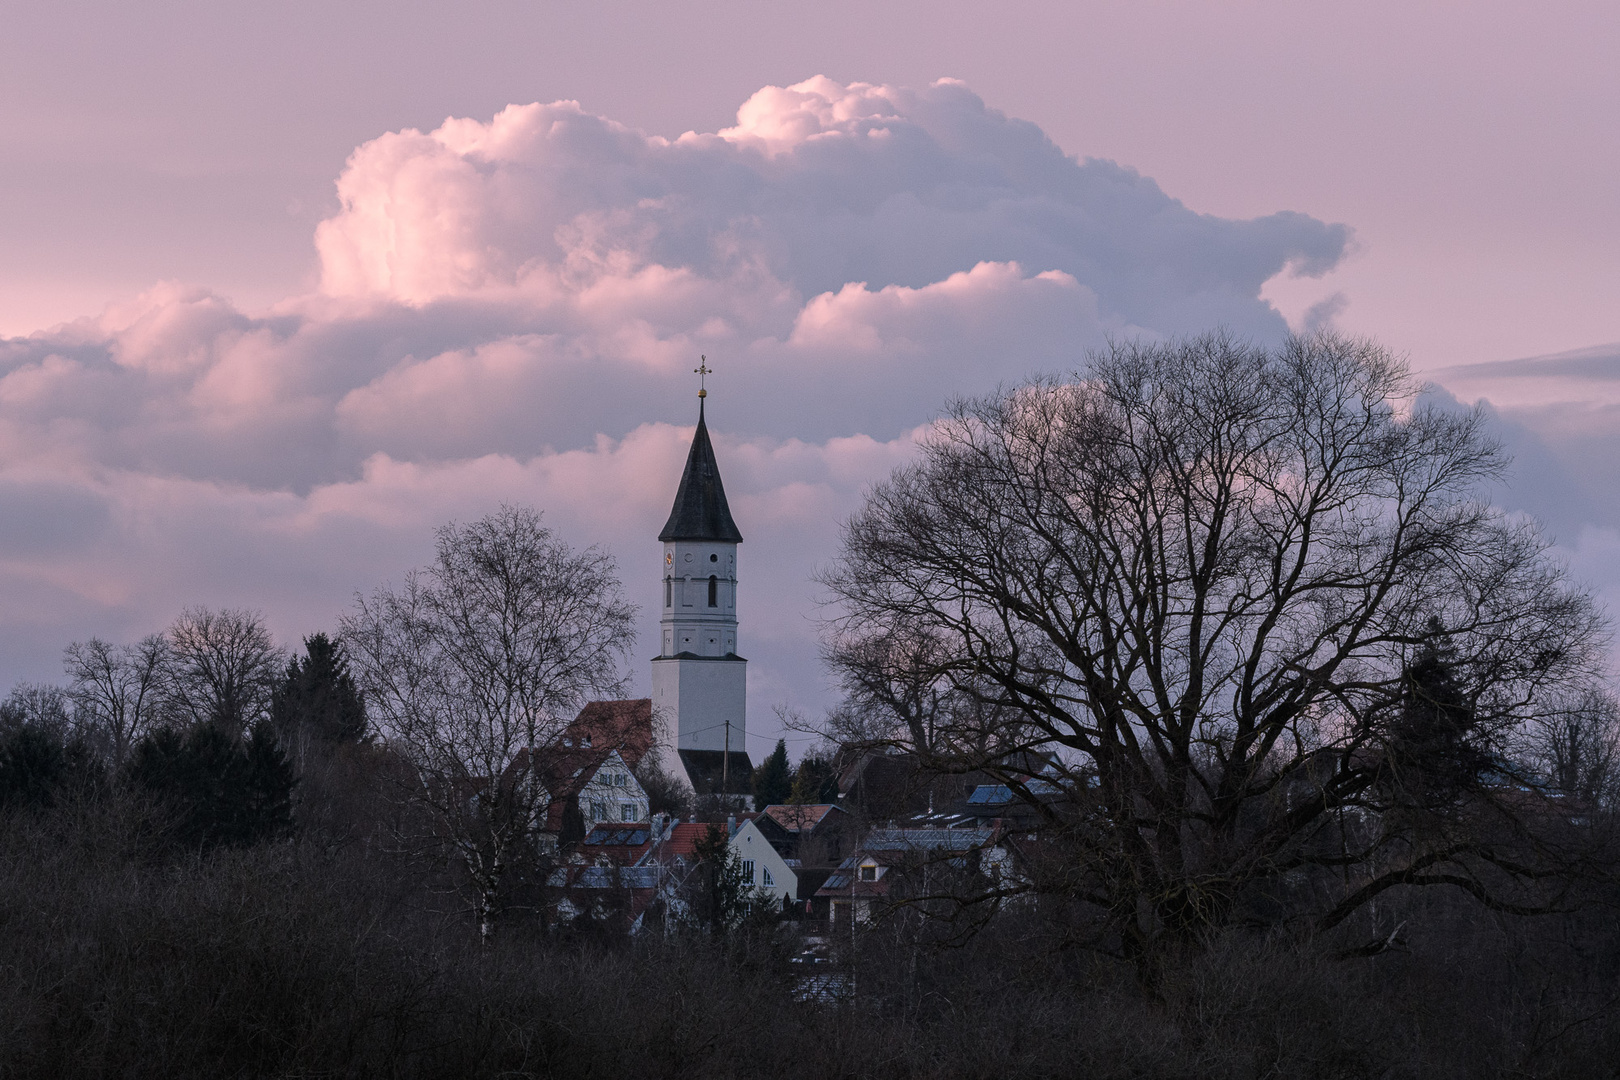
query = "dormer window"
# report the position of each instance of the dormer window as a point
(869, 873)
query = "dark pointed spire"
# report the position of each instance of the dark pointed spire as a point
(700, 511)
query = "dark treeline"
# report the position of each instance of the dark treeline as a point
(307, 957)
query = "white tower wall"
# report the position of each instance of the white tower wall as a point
(697, 678)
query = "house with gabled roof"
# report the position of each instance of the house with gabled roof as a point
(766, 866)
(588, 770)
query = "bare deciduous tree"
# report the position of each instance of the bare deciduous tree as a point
(224, 668)
(477, 663)
(1575, 746)
(894, 681)
(1193, 578)
(118, 691)
(39, 706)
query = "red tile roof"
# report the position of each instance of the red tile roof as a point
(625, 726)
(602, 727)
(684, 836)
(683, 840)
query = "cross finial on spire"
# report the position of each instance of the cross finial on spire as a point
(702, 371)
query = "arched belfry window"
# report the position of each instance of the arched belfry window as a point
(714, 591)
(669, 593)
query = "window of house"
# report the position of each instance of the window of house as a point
(598, 809)
(714, 591)
(765, 875)
(868, 873)
(627, 811)
(748, 871)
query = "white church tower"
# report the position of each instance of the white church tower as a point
(699, 683)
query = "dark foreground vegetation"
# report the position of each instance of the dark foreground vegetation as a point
(125, 955)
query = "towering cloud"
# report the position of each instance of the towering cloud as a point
(510, 309)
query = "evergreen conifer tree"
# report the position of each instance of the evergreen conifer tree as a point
(1431, 733)
(814, 781)
(319, 695)
(773, 780)
(224, 790)
(32, 765)
(723, 899)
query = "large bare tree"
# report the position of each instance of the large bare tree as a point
(477, 663)
(223, 668)
(119, 692)
(1216, 586)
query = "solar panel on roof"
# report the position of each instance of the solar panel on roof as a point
(619, 837)
(992, 794)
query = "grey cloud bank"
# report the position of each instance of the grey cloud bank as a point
(511, 310)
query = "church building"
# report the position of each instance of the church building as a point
(699, 682)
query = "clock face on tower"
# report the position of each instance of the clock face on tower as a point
(668, 559)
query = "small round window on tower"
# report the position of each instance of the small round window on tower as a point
(714, 558)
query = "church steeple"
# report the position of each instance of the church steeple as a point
(700, 511)
(699, 682)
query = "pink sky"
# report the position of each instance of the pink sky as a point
(370, 319)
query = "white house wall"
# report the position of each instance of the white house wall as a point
(602, 792)
(750, 845)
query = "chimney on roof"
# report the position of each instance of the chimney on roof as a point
(731, 824)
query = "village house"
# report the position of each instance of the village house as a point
(886, 859)
(619, 897)
(588, 771)
(765, 867)
(618, 872)
(820, 833)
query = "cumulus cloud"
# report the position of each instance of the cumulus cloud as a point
(510, 309)
(1560, 414)
(1559, 417)
(817, 186)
